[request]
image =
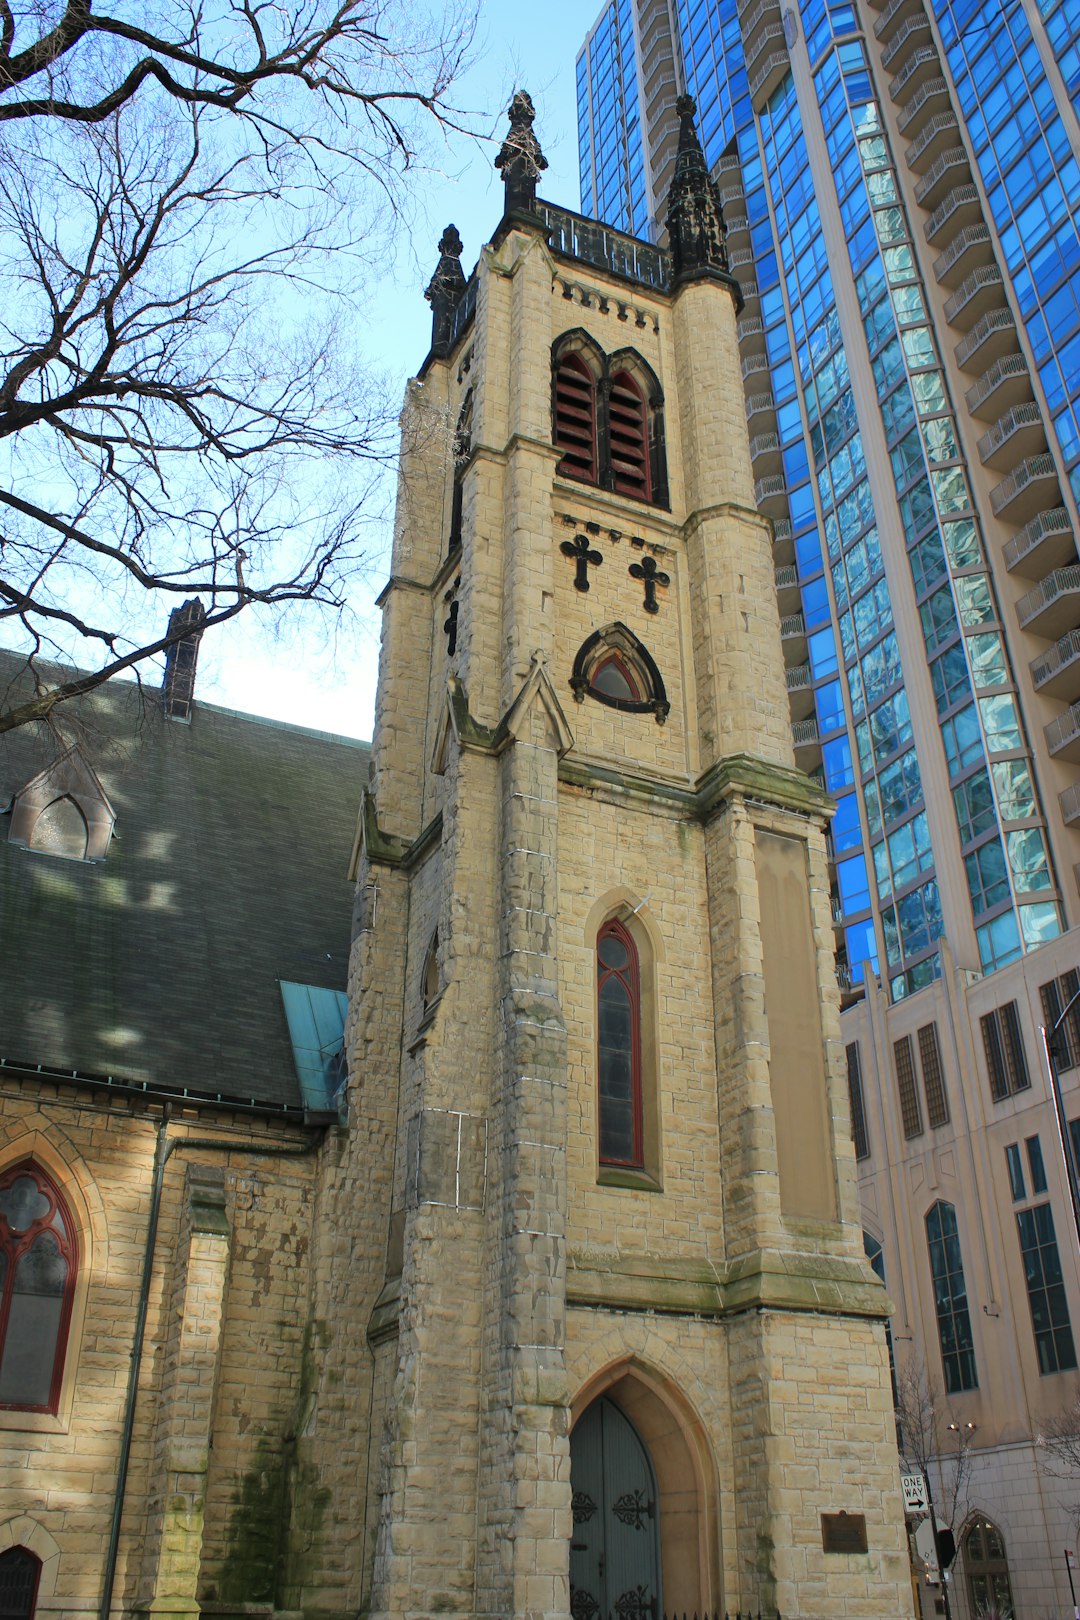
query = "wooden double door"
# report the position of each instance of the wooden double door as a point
(615, 1550)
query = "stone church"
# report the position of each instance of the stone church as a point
(533, 1283)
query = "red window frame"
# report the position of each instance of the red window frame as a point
(629, 977)
(14, 1245)
(575, 418)
(628, 431)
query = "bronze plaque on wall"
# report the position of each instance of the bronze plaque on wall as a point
(843, 1532)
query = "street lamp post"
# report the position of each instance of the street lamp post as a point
(1051, 1039)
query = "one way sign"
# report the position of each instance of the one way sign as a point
(916, 1496)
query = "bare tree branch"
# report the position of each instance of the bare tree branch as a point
(189, 202)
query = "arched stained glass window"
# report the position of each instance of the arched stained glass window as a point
(618, 1055)
(629, 432)
(38, 1262)
(950, 1299)
(575, 418)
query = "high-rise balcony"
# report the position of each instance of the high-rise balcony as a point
(770, 493)
(962, 206)
(918, 70)
(737, 257)
(938, 133)
(916, 29)
(978, 292)
(1063, 734)
(768, 76)
(759, 405)
(1070, 805)
(993, 335)
(947, 169)
(731, 162)
(765, 40)
(754, 365)
(793, 636)
(894, 14)
(804, 734)
(1002, 385)
(1031, 487)
(969, 249)
(1053, 606)
(786, 580)
(781, 531)
(754, 21)
(931, 98)
(1057, 673)
(749, 290)
(765, 453)
(1018, 433)
(749, 326)
(732, 196)
(800, 691)
(1046, 541)
(737, 225)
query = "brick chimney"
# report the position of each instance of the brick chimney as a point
(178, 687)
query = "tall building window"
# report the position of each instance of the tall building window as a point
(1016, 1172)
(858, 1109)
(608, 419)
(38, 1261)
(1054, 997)
(950, 1299)
(1004, 1046)
(618, 1057)
(910, 1112)
(1046, 1290)
(937, 1106)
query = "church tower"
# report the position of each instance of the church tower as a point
(614, 1347)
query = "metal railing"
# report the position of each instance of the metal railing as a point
(1009, 365)
(987, 275)
(575, 237)
(1062, 653)
(972, 236)
(1062, 582)
(1063, 730)
(913, 26)
(924, 56)
(1032, 471)
(941, 124)
(1041, 527)
(799, 678)
(954, 158)
(767, 489)
(995, 320)
(804, 733)
(1021, 416)
(959, 197)
(930, 91)
(791, 627)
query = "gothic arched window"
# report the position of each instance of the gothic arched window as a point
(20, 1572)
(38, 1263)
(615, 668)
(987, 1568)
(618, 1048)
(628, 429)
(575, 417)
(608, 418)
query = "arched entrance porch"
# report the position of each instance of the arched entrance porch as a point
(676, 1465)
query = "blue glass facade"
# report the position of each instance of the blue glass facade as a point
(872, 495)
(608, 105)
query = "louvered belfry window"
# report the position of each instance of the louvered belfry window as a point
(575, 418)
(629, 431)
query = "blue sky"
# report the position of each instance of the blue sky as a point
(321, 675)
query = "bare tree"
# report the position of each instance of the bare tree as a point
(1059, 1448)
(933, 1441)
(188, 200)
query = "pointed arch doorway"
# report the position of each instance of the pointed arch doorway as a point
(615, 1548)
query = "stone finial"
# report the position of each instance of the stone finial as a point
(520, 160)
(178, 686)
(695, 218)
(444, 290)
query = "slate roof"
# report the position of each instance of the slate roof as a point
(226, 873)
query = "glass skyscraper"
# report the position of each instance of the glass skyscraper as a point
(901, 184)
(900, 190)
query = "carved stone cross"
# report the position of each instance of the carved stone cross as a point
(450, 626)
(579, 549)
(647, 571)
